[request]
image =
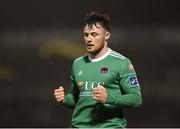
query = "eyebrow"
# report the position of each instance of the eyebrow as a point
(89, 32)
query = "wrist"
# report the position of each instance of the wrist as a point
(109, 98)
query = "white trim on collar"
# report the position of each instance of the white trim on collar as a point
(100, 58)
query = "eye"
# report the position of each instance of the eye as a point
(94, 34)
(85, 34)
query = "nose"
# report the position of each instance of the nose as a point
(88, 39)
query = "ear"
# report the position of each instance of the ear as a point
(107, 36)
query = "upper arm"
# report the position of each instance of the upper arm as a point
(128, 78)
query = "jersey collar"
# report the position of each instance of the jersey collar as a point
(100, 58)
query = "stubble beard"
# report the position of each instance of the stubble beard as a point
(96, 50)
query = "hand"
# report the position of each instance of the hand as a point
(59, 94)
(100, 94)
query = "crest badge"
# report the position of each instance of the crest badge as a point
(104, 70)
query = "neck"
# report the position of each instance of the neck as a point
(99, 54)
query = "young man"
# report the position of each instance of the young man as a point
(104, 82)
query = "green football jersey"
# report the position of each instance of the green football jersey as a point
(114, 72)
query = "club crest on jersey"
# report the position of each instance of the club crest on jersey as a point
(104, 70)
(131, 67)
(133, 80)
(80, 84)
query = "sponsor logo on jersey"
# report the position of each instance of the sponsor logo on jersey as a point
(104, 70)
(86, 87)
(80, 84)
(133, 80)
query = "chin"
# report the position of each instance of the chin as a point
(92, 52)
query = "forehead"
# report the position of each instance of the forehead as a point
(94, 28)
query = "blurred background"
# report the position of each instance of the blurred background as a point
(39, 39)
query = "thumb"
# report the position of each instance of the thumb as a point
(100, 86)
(61, 88)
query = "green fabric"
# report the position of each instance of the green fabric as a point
(116, 74)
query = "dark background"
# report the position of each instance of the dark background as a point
(39, 39)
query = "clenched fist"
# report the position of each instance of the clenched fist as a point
(59, 94)
(100, 94)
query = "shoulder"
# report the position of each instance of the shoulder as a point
(117, 56)
(80, 59)
(124, 64)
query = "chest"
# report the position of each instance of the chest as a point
(91, 75)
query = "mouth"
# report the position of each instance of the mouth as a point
(90, 45)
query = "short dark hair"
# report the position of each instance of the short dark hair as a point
(93, 18)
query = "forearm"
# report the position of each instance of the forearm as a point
(72, 96)
(127, 100)
(69, 101)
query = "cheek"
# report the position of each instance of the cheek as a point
(85, 40)
(99, 39)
